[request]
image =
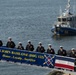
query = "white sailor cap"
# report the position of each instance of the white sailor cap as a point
(49, 44)
(9, 38)
(20, 43)
(73, 49)
(40, 43)
(29, 41)
(61, 46)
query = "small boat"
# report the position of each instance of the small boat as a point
(37, 58)
(66, 23)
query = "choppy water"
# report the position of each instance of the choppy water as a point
(31, 20)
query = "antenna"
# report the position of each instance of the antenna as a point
(73, 8)
(68, 7)
(60, 11)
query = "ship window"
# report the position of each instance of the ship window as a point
(63, 19)
(59, 19)
(69, 19)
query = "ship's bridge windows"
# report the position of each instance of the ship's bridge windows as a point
(64, 19)
(59, 19)
(69, 19)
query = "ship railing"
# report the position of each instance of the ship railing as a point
(65, 26)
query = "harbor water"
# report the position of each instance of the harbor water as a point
(25, 20)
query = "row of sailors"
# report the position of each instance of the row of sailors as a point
(40, 48)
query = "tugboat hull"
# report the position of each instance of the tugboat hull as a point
(64, 31)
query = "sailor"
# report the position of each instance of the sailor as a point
(10, 43)
(20, 46)
(61, 51)
(40, 48)
(29, 46)
(1, 43)
(72, 53)
(50, 50)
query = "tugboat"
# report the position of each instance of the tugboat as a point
(66, 23)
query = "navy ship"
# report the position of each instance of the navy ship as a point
(66, 23)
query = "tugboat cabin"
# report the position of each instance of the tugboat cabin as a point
(67, 20)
